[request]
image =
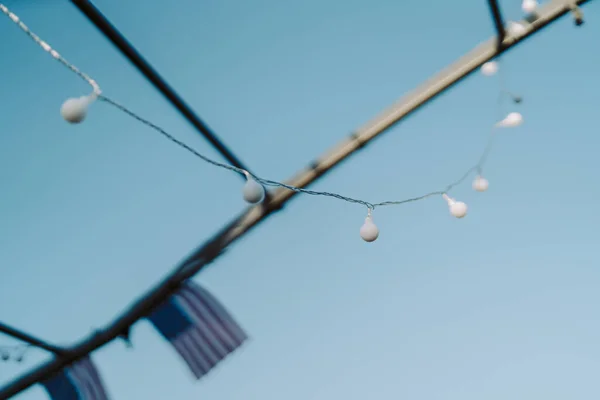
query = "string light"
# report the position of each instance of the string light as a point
(369, 231)
(529, 6)
(512, 120)
(480, 184)
(13, 353)
(253, 191)
(75, 110)
(516, 29)
(458, 209)
(489, 68)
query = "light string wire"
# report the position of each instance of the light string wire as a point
(55, 54)
(97, 94)
(476, 168)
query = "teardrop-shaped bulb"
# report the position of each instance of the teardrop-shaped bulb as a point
(529, 6)
(369, 231)
(74, 110)
(480, 184)
(489, 68)
(253, 191)
(458, 209)
(516, 28)
(511, 120)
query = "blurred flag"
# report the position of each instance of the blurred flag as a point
(80, 381)
(198, 327)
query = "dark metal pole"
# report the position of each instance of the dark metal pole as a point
(24, 337)
(104, 25)
(498, 23)
(203, 256)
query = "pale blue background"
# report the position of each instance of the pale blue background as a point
(500, 305)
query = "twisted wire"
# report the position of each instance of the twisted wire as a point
(266, 182)
(46, 47)
(169, 136)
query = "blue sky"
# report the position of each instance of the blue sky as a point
(501, 304)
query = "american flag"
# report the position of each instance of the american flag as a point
(80, 381)
(198, 327)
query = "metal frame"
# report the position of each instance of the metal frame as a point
(498, 22)
(204, 255)
(32, 340)
(127, 49)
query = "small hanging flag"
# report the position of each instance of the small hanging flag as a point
(198, 327)
(80, 381)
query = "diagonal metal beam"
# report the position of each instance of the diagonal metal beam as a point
(27, 338)
(112, 34)
(498, 22)
(204, 255)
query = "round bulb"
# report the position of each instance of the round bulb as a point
(516, 28)
(369, 231)
(489, 68)
(75, 110)
(512, 120)
(529, 6)
(253, 191)
(480, 184)
(458, 209)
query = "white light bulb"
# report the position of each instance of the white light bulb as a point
(529, 6)
(516, 28)
(458, 209)
(480, 184)
(253, 191)
(369, 231)
(511, 120)
(74, 110)
(489, 68)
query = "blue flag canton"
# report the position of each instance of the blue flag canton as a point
(60, 387)
(170, 320)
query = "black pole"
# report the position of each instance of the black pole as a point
(112, 34)
(24, 337)
(498, 23)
